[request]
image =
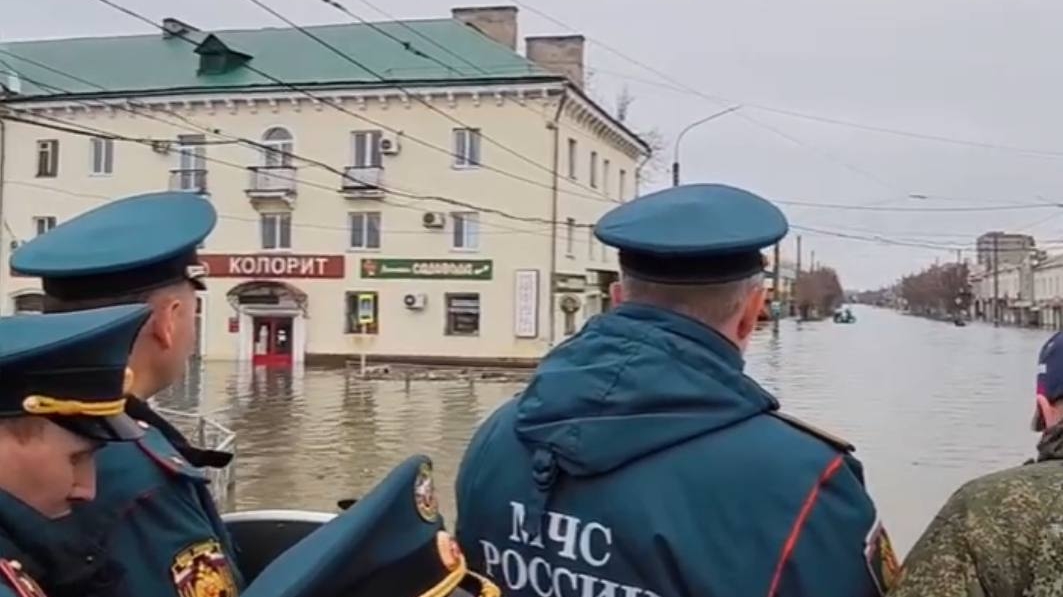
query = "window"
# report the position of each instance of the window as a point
(191, 173)
(594, 169)
(363, 313)
(366, 149)
(102, 156)
(570, 233)
(365, 230)
(463, 314)
(622, 191)
(278, 146)
(277, 231)
(573, 161)
(466, 230)
(48, 158)
(605, 177)
(466, 148)
(43, 224)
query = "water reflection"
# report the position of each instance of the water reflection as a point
(927, 404)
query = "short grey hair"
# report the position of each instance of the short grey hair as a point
(712, 304)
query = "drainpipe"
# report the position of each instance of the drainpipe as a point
(556, 126)
(638, 173)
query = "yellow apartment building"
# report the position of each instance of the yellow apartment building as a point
(413, 190)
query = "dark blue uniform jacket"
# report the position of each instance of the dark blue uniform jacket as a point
(154, 515)
(641, 461)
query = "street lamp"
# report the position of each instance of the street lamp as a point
(675, 162)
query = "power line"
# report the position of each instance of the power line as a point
(94, 132)
(224, 216)
(966, 208)
(407, 46)
(328, 102)
(260, 146)
(877, 239)
(716, 99)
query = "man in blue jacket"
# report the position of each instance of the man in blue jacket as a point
(153, 512)
(642, 461)
(62, 379)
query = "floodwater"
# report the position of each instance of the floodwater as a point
(927, 404)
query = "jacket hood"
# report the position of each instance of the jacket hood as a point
(634, 381)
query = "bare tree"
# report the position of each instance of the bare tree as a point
(623, 103)
(620, 109)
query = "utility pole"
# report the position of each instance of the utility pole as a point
(798, 254)
(776, 292)
(996, 281)
(812, 262)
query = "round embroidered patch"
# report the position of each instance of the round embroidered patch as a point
(203, 571)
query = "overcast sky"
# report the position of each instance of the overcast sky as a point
(978, 70)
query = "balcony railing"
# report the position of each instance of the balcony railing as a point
(271, 181)
(362, 181)
(188, 180)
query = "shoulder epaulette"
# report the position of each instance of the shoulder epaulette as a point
(14, 576)
(830, 438)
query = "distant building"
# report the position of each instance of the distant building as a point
(1010, 248)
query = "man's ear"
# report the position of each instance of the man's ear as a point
(751, 312)
(164, 321)
(616, 293)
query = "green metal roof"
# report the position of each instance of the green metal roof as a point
(154, 64)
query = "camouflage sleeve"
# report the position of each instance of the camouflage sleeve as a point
(942, 564)
(999, 536)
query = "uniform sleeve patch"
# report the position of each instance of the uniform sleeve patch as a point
(881, 559)
(203, 571)
(18, 580)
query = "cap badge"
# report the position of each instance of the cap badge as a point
(424, 494)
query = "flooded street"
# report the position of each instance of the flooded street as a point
(927, 404)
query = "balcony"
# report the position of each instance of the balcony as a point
(194, 181)
(271, 182)
(362, 182)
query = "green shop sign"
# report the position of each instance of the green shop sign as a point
(444, 269)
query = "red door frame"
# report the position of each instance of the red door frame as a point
(273, 357)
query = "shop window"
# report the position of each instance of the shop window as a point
(363, 313)
(463, 314)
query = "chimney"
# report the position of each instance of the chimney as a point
(562, 54)
(497, 22)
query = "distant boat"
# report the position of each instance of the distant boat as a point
(845, 316)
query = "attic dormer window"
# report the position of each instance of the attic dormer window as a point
(216, 58)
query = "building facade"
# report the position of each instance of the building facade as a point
(433, 204)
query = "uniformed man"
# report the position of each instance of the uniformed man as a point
(62, 384)
(642, 461)
(391, 543)
(1001, 535)
(153, 510)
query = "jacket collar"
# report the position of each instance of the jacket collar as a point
(684, 326)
